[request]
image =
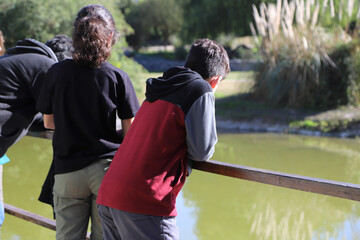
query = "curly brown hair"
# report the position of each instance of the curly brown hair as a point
(94, 27)
(2, 42)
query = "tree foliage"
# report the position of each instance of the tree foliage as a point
(154, 19)
(211, 18)
(42, 19)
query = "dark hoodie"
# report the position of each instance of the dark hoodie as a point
(175, 123)
(22, 70)
(172, 80)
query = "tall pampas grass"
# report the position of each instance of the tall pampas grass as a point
(294, 48)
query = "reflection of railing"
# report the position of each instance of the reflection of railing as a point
(32, 217)
(308, 184)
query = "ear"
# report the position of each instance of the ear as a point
(214, 81)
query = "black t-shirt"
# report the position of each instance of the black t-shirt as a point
(85, 102)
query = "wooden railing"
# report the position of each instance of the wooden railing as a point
(29, 216)
(307, 184)
(303, 183)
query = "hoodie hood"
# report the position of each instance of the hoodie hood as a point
(172, 80)
(32, 46)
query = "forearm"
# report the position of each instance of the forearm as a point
(49, 122)
(125, 124)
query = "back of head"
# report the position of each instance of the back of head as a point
(208, 58)
(93, 36)
(62, 46)
(2, 42)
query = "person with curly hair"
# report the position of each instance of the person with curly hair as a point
(80, 100)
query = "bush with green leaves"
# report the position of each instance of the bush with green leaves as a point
(132, 68)
(153, 20)
(341, 83)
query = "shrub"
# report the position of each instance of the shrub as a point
(341, 83)
(305, 65)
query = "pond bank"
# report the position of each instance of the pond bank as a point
(342, 123)
(237, 110)
(229, 126)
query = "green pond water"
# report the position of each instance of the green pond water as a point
(217, 207)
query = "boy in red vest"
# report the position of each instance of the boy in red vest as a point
(174, 126)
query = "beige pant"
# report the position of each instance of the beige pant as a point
(75, 196)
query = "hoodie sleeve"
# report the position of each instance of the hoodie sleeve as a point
(200, 124)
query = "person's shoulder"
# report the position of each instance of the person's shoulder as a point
(67, 63)
(111, 69)
(106, 66)
(200, 86)
(30, 60)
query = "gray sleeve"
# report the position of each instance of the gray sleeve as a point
(200, 126)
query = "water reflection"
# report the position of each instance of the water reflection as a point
(22, 180)
(217, 207)
(237, 209)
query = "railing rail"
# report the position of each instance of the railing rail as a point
(29, 216)
(308, 184)
(292, 181)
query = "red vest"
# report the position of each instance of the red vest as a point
(149, 169)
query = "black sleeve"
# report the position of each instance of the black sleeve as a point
(44, 102)
(128, 104)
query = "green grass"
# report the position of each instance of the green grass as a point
(322, 125)
(236, 75)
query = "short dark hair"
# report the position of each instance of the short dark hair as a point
(208, 58)
(93, 27)
(62, 46)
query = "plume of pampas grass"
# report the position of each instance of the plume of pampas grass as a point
(332, 9)
(253, 32)
(324, 6)
(308, 13)
(350, 7)
(315, 16)
(300, 10)
(259, 22)
(340, 10)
